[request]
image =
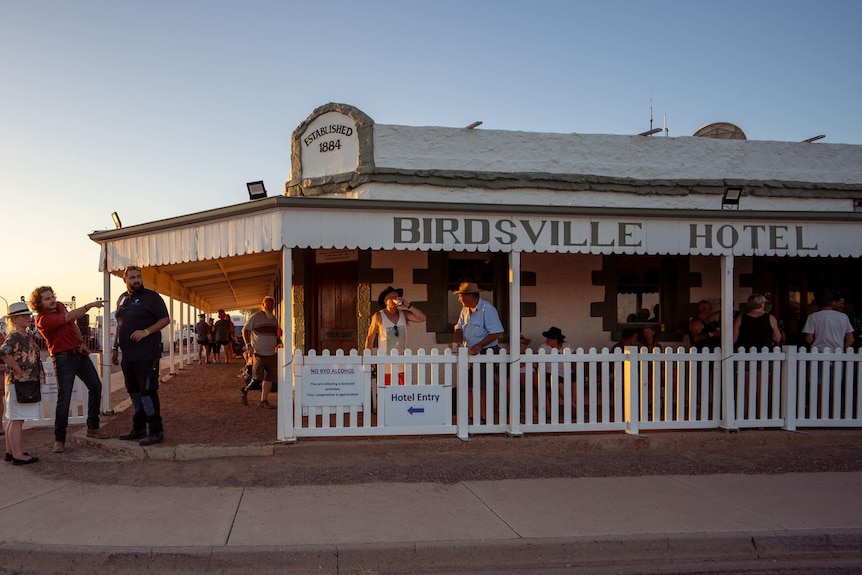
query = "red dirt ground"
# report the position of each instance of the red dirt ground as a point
(200, 405)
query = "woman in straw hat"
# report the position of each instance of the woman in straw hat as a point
(20, 353)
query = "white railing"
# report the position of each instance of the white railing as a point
(755, 377)
(823, 388)
(572, 391)
(361, 409)
(679, 388)
(48, 407)
(582, 390)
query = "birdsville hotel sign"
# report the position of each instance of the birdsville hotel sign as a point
(591, 236)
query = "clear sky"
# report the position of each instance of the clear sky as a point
(162, 108)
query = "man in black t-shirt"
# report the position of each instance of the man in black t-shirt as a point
(141, 316)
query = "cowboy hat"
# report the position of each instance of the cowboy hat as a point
(554, 333)
(467, 287)
(17, 308)
(381, 299)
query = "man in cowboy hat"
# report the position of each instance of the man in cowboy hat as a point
(478, 327)
(479, 324)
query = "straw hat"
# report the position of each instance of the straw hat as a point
(467, 287)
(17, 308)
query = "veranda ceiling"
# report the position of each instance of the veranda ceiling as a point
(226, 283)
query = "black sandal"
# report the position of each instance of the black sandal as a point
(24, 461)
(10, 457)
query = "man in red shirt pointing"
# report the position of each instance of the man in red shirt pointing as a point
(71, 358)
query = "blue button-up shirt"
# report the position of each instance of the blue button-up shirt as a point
(478, 324)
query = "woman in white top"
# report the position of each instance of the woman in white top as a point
(389, 325)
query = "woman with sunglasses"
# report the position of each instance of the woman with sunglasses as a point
(389, 325)
(20, 353)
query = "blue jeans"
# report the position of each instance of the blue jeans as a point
(66, 368)
(142, 383)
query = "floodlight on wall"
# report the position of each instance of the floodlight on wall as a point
(256, 190)
(730, 201)
(651, 132)
(814, 138)
(116, 217)
(473, 125)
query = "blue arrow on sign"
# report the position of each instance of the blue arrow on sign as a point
(413, 410)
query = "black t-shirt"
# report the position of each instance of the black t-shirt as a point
(222, 330)
(137, 311)
(755, 332)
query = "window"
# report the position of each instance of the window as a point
(477, 268)
(639, 290)
(447, 270)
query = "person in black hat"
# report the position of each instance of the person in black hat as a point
(554, 340)
(389, 325)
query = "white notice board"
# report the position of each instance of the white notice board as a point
(331, 385)
(407, 405)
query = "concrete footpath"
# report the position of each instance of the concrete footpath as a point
(49, 526)
(56, 526)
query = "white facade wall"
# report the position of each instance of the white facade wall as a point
(563, 294)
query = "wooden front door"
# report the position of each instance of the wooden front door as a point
(335, 307)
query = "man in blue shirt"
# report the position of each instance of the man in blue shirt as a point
(480, 327)
(479, 323)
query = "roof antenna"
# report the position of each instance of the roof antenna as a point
(650, 111)
(651, 130)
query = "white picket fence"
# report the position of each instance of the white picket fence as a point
(574, 391)
(48, 406)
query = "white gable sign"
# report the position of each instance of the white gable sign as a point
(600, 235)
(329, 146)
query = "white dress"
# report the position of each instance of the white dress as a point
(393, 335)
(20, 411)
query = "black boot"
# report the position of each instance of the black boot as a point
(139, 427)
(157, 433)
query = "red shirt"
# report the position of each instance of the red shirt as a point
(59, 335)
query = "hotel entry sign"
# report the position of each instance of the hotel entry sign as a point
(329, 145)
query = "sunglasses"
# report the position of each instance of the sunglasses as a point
(395, 329)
